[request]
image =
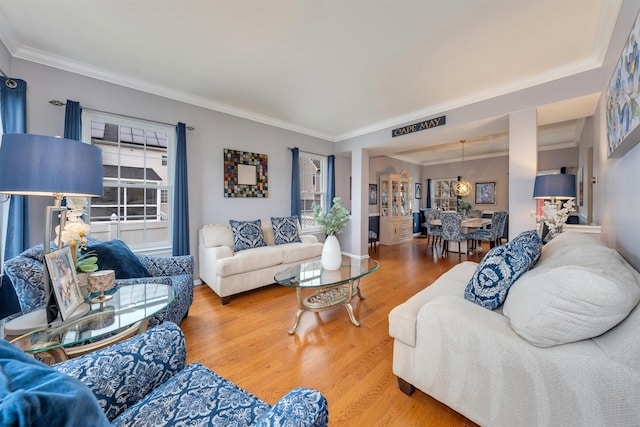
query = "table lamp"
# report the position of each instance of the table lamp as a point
(37, 165)
(555, 187)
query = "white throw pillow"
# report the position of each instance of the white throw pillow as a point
(559, 305)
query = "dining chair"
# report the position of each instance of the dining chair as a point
(492, 234)
(434, 232)
(452, 231)
(503, 225)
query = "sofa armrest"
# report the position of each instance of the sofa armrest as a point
(300, 407)
(208, 256)
(402, 319)
(122, 374)
(167, 265)
(309, 238)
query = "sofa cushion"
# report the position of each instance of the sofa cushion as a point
(285, 229)
(500, 268)
(267, 232)
(298, 252)
(569, 303)
(115, 255)
(245, 261)
(246, 234)
(217, 235)
(33, 394)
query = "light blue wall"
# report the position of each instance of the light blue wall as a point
(213, 132)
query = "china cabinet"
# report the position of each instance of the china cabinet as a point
(396, 220)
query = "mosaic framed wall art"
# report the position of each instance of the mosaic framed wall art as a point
(623, 98)
(245, 174)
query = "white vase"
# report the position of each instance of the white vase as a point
(331, 254)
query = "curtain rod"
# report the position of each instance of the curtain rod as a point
(309, 152)
(9, 82)
(60, 104)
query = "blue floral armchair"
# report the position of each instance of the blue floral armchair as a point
(25, 272)
(142, 381)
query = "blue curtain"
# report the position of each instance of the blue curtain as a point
(73, 121)
(181, 195)
(296, 209)
(14, 120)
(428, 196)
(331, 180)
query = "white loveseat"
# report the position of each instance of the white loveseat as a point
(229, 273)
(562, 350)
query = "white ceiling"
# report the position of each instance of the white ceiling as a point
(331, 69)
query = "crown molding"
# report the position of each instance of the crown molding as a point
(66, 64)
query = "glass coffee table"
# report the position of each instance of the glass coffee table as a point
(330, 287)
(125, 315)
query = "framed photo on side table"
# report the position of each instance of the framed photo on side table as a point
(64, 281)
(486, 193)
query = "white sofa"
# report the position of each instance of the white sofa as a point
(562, 350)
(229, 273)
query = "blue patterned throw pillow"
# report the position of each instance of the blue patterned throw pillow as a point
(246, 234)
(285, 229)
(500, 268)
(531, 243)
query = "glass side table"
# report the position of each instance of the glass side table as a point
(125, 315)
(330, 287)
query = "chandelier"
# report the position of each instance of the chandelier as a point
(462, 187)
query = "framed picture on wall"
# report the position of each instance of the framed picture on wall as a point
(486, 193)
(418, 190)
(373, 194)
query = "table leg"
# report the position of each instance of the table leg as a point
(301, 310)
(356, 286)
(351, 315)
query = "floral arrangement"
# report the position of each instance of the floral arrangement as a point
(74, 234)
(465, 206)
(555, 218)
(335, 221)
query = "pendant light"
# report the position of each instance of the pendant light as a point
(463, 187)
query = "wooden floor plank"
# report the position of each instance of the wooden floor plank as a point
(247, 342)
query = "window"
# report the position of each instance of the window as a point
(312, 187)
(444, 195)
(136, 205)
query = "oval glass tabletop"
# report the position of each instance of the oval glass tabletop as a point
(130, 304)
(311, 274)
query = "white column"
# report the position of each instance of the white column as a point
(523, 166)
(359, 225)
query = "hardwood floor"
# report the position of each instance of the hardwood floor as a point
(247, 342)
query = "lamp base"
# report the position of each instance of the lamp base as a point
(38, 319)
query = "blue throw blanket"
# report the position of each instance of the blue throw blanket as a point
(33, 394)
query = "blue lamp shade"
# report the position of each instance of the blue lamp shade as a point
(38, 165)
(556, 186)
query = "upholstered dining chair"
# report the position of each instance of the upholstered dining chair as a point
(503, 225)
(452, 231)
(491, 235)
(434, 232)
